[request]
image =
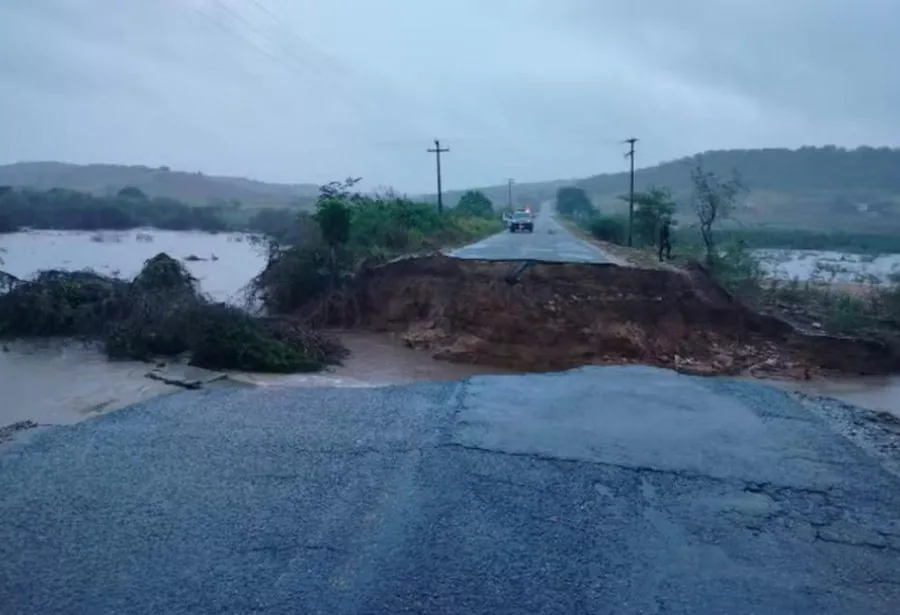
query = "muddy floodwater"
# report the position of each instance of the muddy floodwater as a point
(228, 260)
(53, 382)
(829, 266)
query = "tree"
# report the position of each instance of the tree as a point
(132, 192)
(334, 215)
(475, 203)
(714, 200)
(573, 202)
(652, 206)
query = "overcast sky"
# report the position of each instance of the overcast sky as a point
(314, 90)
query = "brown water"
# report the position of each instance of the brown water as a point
(879, 393)
(53, 382)
(61, 383)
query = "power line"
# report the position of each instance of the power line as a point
(437, 150)
(302, 63)
(290, 60)
(328, 58)
(630, 155)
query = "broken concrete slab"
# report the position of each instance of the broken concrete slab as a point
(185, 376)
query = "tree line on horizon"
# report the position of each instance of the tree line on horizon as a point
(129, 208)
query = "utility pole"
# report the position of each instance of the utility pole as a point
(630, 154)
(509, 186)
(437, 151)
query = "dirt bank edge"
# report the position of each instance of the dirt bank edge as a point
(540, 316)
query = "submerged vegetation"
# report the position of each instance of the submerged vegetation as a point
(161, 312)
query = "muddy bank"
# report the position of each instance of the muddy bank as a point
(534, 316)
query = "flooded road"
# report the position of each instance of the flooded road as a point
(66, 382)
(60, 383)
(53, 382)
(878, 393)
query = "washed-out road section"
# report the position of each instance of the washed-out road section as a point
(613, 490)
(550, 242)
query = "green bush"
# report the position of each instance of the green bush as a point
(737, 270)
(225, 337)
(381, 227)
(160, 312)
(613, 229)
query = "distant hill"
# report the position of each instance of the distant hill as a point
(196, 188)
(820, 188)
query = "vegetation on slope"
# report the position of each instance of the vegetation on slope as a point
(871, 311)
(61, 209)
(831, 193)
(351, 228)
(827, 168)
(822, 189)
(193, 188)
(160, 312)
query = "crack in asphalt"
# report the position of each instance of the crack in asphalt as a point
(450, 498)
(757, 521)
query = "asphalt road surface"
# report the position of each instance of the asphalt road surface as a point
(550, 242)
(617, 490)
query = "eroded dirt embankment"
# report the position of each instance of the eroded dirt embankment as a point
(547, 316)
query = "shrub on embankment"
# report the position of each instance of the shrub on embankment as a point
(309, 276)
(160, 312)
(861, 310)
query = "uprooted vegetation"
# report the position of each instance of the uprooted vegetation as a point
(159, 313)
(162, 313)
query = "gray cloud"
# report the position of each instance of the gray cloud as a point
(305, 90)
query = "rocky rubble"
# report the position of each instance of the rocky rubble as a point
(534, 316)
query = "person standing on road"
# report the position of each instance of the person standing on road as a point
(665, 239)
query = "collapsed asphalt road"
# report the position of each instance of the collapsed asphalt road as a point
(603, 490)
(550, 242)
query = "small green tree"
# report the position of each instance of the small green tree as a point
(475, 203)
(334, 216)
(573, 202)
(132, 192)
(652, 207)
(609, 228)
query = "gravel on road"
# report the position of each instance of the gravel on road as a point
(600, 490)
